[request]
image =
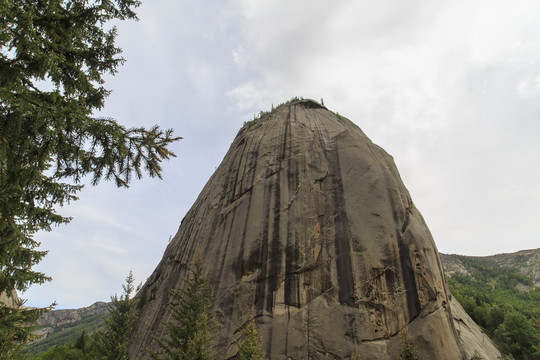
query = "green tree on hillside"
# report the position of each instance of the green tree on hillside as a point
(53, 56)
(114, 337)
(516, 336)
(490, 296)
(72, 350)
(80, 343)
(251, 346)
(408, 350)
(190, 328)
(15, 330)
(356, 353)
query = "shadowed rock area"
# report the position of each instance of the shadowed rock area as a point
(307, 225)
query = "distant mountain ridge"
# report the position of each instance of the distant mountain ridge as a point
(527, 262)
(57, 318)
(63, 326)
(501, 293)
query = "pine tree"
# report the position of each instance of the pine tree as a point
(189, 330)
(114, 338)
(80, 343)
(53, 56)
(408, 350)
(356, 354)
(251, 346)
(15, 328)
(476, 356)
(199, 347)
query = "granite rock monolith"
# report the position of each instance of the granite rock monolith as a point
(306, 225)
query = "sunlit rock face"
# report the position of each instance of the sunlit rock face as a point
(307, 225)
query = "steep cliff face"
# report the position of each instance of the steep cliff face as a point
(307, 225)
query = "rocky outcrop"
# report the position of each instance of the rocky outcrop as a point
(453, 265)
(58, 318)
(307, 225)
(62, 320)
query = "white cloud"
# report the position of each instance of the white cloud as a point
(434, 84)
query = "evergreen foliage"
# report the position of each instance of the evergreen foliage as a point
(516, 336)
(111, 341)
(71, 351)
(53, 56)
(490, 296)
(114, 337)
(65, 334)
(81, 342)
(262, 113)
(356, 354)
(15, 330)
(408, 350)
(251, 346)
(190, 328)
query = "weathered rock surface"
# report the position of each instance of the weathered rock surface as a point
(307, 225)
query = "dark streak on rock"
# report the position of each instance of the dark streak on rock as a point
(224, 251)
(240, 265)
(407, 268)
(409, 280)
(292, 286)
(275, 250)
(342, 234)
(263, 254)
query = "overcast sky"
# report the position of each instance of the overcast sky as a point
(451, 89)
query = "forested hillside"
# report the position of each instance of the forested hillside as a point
(502, 295)
(65, 326)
